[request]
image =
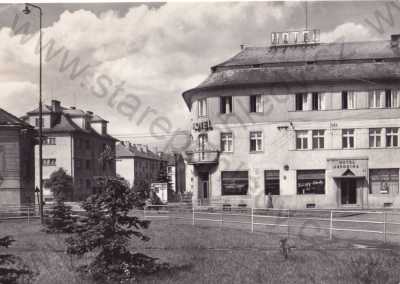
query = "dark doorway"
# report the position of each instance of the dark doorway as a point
(348, 188)
(203, 186)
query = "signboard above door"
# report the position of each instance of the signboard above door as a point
(348, 167)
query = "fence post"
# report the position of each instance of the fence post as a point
(331, 226)
(288, 223)
(193, 215)
(384, 225)
(28, 214)
(252, 219)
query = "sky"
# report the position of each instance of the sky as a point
(131, 62)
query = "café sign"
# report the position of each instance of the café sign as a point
(202, 125)
(348, 167)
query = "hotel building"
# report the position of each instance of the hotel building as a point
(313, 125)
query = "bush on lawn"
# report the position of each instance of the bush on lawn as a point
(372, 268)
(107, 230)
(12, 269)
(59, 218)
(144, 193)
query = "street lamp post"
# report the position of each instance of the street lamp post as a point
(41, 203)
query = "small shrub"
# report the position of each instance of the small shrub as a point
(59, 218)
(371, 268)
(285, 247)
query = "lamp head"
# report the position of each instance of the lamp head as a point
(26, 10)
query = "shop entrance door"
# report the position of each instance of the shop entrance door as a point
(348, 188)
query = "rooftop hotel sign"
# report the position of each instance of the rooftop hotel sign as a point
(295, 38)
(348, 167)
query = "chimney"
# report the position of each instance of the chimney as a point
(394, 40)
(55, 106)
(72, 107)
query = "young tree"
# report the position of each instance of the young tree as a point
(59, 219)
(12, 269)
(108, 229)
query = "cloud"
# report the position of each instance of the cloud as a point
(348, 32)
(19, 95)
(157, 53)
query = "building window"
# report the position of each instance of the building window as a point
(49, 162)
(374, 99)
(301, 101)
(391, 99)
(348, 138)
(318, 139)
(202, 107)
(234, 182)
(203, 138)
(384, 181)
(78, 163)
(271, 182)
(88, 164)
(226, 104)
(375, 137)
(318, 101)
(49, 141)
(301, 139)
(392, 137)
(256, 104)
(37, 122)
(87, 144)
(256, 141)
(227, 142)
(348, 100)
(311, 182)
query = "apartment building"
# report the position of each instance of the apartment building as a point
(17, 160)
(73, 140)
(137, 161)
(314, 125)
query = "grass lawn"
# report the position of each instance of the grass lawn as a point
(204, 254)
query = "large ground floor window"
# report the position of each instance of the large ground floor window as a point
(311, 182)
(384, 181)
(234, 182)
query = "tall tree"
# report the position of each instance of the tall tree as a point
(107, 230)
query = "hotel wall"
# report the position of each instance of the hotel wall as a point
(279, 148)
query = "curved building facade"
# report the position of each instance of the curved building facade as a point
(313, 125)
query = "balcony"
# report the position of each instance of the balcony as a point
(202, 157)
(205, 154)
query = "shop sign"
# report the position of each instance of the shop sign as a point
(340, 167)
(202, 125)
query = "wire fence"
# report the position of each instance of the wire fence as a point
(330, 223)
